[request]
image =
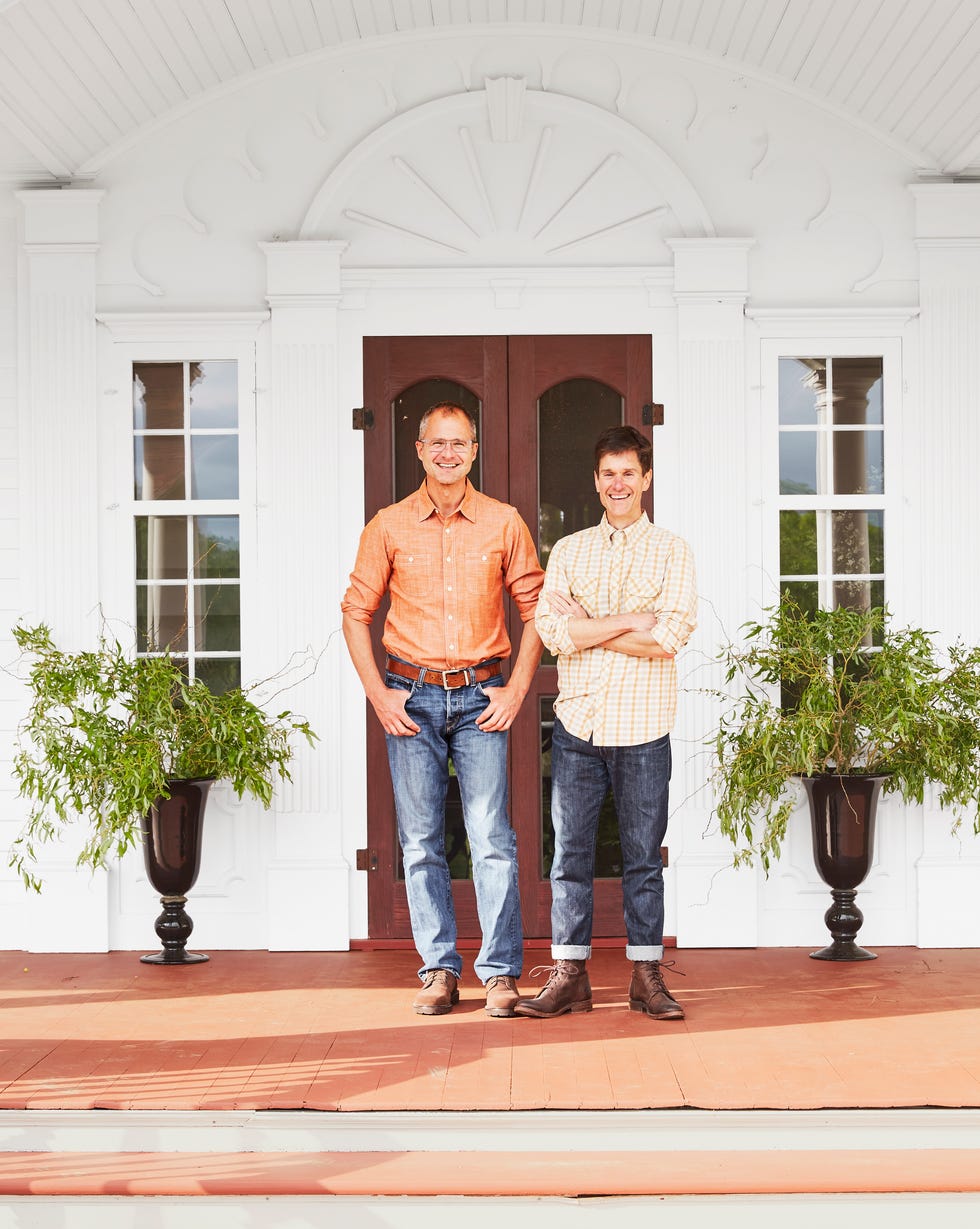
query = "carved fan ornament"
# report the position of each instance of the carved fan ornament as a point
(506, 175)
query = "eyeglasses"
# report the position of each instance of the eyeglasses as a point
(460, 447)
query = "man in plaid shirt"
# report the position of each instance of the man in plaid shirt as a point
(619, 600)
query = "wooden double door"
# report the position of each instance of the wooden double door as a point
(541, 403)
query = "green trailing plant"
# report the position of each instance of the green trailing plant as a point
(107, 730)
(841, 692)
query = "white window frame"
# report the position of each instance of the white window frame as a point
(808, 344)
(133, 338)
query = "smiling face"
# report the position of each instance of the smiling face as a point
(621, 482)
(448, 451)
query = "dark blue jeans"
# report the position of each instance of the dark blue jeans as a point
(420, 777)
(581, 775)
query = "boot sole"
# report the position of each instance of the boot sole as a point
(442, 1010)
(670, 1014)
(528, 1010)
(501, 1013)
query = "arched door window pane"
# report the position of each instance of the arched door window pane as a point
(571, 417)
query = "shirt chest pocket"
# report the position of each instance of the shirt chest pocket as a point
(640, 592)
(410, 573)
(586, 593)
(483, 572)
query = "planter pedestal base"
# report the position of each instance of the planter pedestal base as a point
(843, 920)
(173, 928)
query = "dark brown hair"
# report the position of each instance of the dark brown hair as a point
(624, 439)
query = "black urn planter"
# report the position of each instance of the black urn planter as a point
(842, 824)
(172, 855)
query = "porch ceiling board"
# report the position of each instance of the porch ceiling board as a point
(80, 77)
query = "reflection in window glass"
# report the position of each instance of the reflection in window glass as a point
(161, 619)
(217, 618)
(161, 548)
(158, 396)
(798, 463)
(214, 467)
(213, 395)
(216, 546)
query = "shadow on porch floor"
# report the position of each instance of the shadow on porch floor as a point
(765, 1028)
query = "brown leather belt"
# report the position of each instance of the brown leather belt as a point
(449, 679)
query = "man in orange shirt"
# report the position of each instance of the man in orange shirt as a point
(445, 555)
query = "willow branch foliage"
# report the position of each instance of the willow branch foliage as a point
(841, 692)
(106, 731)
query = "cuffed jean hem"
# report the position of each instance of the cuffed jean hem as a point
(570, 951)
(644, 953)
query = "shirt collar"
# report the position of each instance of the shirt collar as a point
(427, 508)
(631, 532)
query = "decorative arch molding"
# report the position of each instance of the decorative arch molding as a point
(507, 175)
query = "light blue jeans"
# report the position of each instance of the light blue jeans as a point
(420, 778)
(581, 775)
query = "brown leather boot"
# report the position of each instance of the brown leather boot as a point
(649, 994)
(502, 995)
(438, 994)
(567, 989)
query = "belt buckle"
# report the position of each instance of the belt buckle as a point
(446, 686)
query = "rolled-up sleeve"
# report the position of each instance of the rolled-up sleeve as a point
(369, 579)
(677, 603)
(523, 575)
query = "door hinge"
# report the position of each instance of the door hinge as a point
(367, 859)
(363, 419)
(653, 415)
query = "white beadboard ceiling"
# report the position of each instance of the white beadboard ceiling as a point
(80, 77)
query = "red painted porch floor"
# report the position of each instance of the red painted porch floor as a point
(334, 1032)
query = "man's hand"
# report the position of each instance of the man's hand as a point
(390, 708)
(499, 714)
(566, 605)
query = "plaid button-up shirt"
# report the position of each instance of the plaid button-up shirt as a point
(616, 699)
(446, 578)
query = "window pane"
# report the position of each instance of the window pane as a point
(802, 384)
(219, 674)
(407, 411)
(859, 594)
(161, 548)
(857, 390)
(805, 593)
(859, 467)
(214, 394)
(214, 467)
(158, 396)
(216, 547)
(571, 416)
(798, 544)
(161, 618)
(217, 616)
(858, 542)
(798, 462)
(159, 467)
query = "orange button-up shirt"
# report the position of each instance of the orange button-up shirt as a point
(446, 578)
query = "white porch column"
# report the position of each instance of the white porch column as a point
(716, 906)
(298, 423)
(58, 494)
(943, 447)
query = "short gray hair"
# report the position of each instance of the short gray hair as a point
(447, 407)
